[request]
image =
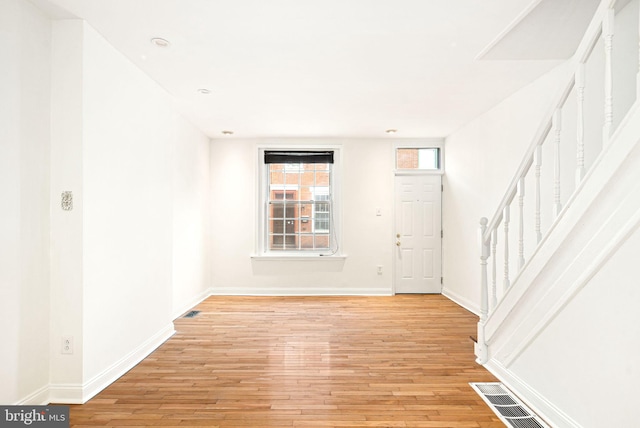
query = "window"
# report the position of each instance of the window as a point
(418, 158)
(299, 206)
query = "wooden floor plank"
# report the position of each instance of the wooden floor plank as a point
(401, 361)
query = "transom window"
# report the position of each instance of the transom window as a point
(418, 158)
(299, 212)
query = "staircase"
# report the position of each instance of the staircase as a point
(557, 323)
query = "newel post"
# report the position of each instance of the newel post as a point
(481, 345)
(484, 255)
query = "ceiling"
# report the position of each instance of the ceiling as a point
(337, 68)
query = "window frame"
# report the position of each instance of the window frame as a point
(262, 249)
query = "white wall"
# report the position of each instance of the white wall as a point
(25, 45)
(366, 184)
(481, 159)
(591, 347)
(191, 220)
(141, 164)
(625, 59)
(129, 132)
(78, 116)
(66, 226)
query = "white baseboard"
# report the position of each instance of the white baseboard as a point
(462, 301)
(80, 394)
(65, 394)
(37, 398)
(536, 402)
(268, 291)
(193, 303)
(111, 374)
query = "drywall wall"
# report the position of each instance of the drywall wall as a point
(138, 155)
(366, 173)
(77, 116)
(591, 348)
(134, 247)
(481, 159)
(66, 225)
(191, 275)
(127, 187)
(25, 52)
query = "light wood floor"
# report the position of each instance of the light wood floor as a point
(402, 361)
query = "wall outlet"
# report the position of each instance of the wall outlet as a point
(379, 269)
(67, 344)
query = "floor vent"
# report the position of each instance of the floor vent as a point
(191, 314)
(510, 410)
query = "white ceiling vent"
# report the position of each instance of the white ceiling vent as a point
(510, 410)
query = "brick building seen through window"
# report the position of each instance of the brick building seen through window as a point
(418, 158)
(299, 211)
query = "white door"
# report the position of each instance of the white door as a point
(418, 251)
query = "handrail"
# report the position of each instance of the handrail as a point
(583, 52)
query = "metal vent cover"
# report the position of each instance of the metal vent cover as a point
(191, 314)
(510, 410)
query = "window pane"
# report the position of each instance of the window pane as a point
(308, 179)
(322, 214)
(292, 177)
(299, 207)
(322, 178)
(418, 158)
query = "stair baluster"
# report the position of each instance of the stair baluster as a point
(557, 131)
(580, 124)
(537, 160)
(484, 255)
(521, 225)
(494, 291)
(481, 345)
(607, 36)
(506, 218)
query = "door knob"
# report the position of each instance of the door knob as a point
(397, 235)
(398, 243)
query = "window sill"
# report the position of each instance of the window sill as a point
(294, 257)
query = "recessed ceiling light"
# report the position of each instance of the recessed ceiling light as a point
(227, 132)
(391, 131)
(160, 42)
(204, 91)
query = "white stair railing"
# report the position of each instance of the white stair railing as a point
(549, 135)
